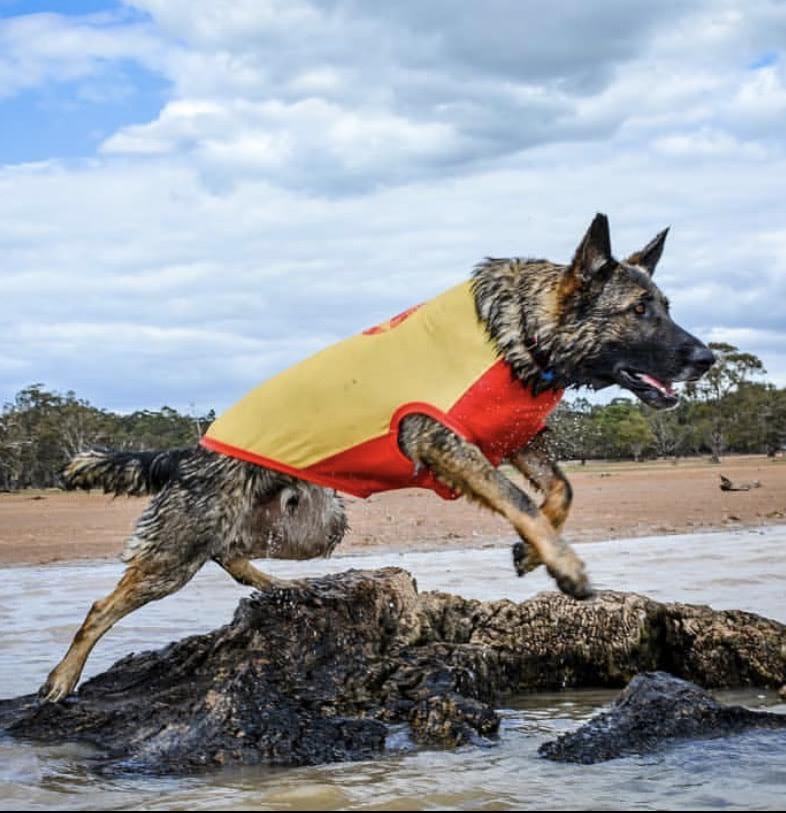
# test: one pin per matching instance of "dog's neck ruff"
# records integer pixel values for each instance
(333, 419)
(507, 294)
(547, 375)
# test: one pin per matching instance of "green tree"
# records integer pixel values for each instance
(41, 430)
(671, 429)
(718, 412)
(624, 430)
(761, 418)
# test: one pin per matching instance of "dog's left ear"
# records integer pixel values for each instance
(649, 256)
(594, 251)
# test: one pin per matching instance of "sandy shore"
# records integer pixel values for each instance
(611, 501)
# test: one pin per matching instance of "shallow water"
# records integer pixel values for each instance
(40, 608)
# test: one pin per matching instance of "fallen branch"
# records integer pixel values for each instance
(728, 485)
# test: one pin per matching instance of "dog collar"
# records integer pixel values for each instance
(547, 375)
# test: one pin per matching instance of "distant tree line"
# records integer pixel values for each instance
(40, 431)
(729, 410)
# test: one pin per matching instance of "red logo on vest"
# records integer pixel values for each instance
(390, 323)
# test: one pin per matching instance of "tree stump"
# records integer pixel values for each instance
(319, 672)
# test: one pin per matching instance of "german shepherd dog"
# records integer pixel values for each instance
(598, 322)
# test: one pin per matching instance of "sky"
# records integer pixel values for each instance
(195, 194)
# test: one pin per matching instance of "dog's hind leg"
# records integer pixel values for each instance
(243, 572)
(463, 467)
(144, 581)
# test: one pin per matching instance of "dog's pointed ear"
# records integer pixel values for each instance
(594, 250)
(648, 257)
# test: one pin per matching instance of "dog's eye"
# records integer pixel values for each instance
(640, 309)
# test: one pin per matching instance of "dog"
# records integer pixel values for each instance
(437, 397)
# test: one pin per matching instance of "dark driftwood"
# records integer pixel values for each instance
(655, 709)
(728, 485)
(316, 673)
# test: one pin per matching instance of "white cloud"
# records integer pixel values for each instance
(708, 142)
(209, 24)
(41, 48)
(310, 143)
(762, 96)
(347, 96)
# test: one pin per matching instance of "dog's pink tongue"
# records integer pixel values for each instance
(654, 382)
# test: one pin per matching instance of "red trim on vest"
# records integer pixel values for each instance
(501, 414)
(260, 460)
(497, 413)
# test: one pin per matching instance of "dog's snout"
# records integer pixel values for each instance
(701, 358)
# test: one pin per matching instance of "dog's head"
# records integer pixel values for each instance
(620, 324)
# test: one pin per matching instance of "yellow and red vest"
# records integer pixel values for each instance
(333, 419)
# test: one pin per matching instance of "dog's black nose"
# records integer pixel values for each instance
(701, 358)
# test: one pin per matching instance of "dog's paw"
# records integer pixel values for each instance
(575, 588)
(58, 686)
(525, 558)
(570, 574)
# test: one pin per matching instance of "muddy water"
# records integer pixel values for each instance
(40, 607)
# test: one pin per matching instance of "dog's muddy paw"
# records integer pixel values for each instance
(578, 589)
(286, 589)
(525, 558)
(55, 690)
(570, 574)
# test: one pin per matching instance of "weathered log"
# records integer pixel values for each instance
(317, 672)
(654, 710)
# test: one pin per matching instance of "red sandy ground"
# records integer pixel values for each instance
(611, 501)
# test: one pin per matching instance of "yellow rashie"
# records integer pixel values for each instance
(348, 393)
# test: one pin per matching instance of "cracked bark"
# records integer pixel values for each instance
(316, 673)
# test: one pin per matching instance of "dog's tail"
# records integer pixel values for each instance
(132, 473)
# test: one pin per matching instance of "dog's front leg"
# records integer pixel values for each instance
(463, 467)
(538, 464)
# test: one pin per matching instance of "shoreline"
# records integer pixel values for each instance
(612, 501)
(481, 545)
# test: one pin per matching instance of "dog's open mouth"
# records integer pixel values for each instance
(654, 392)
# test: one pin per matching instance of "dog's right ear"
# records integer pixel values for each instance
(594, 251)
(649, 256)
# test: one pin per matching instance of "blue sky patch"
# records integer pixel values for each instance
(71, 8)
(70, 119)
(764, 60)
